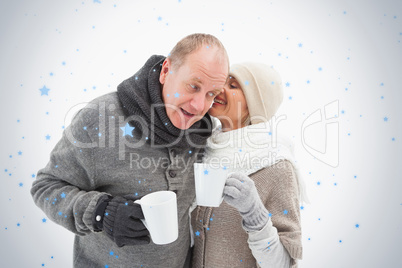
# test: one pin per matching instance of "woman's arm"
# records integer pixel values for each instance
(278, 188)
(267, 248)
(273, 225)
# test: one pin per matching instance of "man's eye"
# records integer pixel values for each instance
(211, 94)
(193, 87)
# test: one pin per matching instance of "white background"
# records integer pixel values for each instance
(345, 51)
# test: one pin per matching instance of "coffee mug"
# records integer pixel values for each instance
(209, 183)
(160, 213)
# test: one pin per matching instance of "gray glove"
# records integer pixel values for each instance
(241, 193)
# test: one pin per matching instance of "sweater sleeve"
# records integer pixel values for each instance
(65, 188)
(284, 205)
(267, 249)
(278, 189)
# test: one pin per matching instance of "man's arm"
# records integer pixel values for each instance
(65, 188)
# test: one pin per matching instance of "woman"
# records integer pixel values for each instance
(258, 225)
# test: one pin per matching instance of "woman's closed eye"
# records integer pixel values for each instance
(233, 86)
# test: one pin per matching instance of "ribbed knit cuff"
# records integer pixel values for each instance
(296, 252)
(99, 213)
(267, 232)
(90, 210)
(256, 218)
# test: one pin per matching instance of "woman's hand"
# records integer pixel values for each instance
(240, 192)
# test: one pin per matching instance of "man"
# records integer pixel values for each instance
(157, 118)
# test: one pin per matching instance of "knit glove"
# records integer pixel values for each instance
(241, 193)
(121, 220)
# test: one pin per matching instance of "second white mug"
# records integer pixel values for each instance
(209, 183)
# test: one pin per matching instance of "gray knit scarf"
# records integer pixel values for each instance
(141, 95)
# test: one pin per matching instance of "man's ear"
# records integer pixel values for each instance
(165, 71)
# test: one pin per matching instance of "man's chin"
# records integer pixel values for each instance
(183, 125)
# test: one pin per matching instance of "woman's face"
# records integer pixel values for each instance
(230, 106)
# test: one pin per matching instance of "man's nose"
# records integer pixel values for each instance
(198, 103)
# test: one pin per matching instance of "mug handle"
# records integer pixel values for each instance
(223, 195)
(138, 201)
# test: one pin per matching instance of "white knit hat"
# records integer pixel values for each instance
(262, 87)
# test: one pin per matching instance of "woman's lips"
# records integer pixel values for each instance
(219, 101)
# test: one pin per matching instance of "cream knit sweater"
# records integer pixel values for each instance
(220, 240)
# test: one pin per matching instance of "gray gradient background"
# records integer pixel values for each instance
(357, 45)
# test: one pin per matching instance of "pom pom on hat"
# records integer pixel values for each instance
(262, 88)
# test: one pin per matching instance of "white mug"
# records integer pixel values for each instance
(160, 213)
(209, 183)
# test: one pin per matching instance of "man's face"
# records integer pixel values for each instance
(189, 90)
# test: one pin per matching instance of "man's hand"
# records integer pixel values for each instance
(122, 221)
(241, 193)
